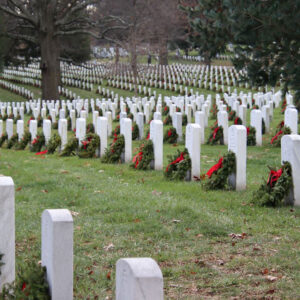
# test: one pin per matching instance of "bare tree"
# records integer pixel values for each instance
(44, 22)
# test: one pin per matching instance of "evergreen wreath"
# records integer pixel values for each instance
(24, 141)
(218, 174)
(166, 110)
(135, 132)
(238, 121)
(37, 143)
(99, 110)
(184, 120)
(39, 121)
(69, 123)
(276, 140)
(214, 111)
(89, 146)
(1, 262)
(70, 147)
(231, 115)
(55, 125)
(53, 143)
(171, 136)
(90, 128)
(31, 283)
(178, 166)
(144, 157)
(114, 152)
(12, 141)
(17, 118)
(216, 135)
(116, 131)
(263, 127)
(277, 187)
(251, 136)
(168, 120)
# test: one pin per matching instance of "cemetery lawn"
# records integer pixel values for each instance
(119, 212)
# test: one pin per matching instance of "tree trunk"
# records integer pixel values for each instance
(163, 53)
(117, 58)
(50, 66)
(133, 63)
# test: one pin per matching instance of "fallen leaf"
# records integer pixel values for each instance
(220, 262)
(156, 193)
(256, 248)
(91, 272)
(176, 221)
(109, 247)
(98, 192)
(108, 275)
(271, 278)
(100, 171)
(272, 291)
(44, 191)
(19, 189)
(188, 229)
(265, 271)
(87, 164)
(199, 235)
(137, 221)
(74, 213)
(64, 172)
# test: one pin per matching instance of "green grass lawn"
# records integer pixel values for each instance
(183, 227)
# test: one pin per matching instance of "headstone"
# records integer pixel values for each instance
(291, 119)
(47, 130)
(20, 129)
(266, 117)
(126, 130)
(108, 115)
(9, 128)
(140, 124)
(223, 121)
(63, 132)
(243, 114)
(73, 119)
(157, 116)
(156, 135)
(102, 124)
(57, 252)
(177, 124)
(95, 117)
(138, 279)
(1, 128)
(193, 144)
(237, 143)
(290, 150)
(33, 129)
(200, 120)
(80, 129)
(256, 122)
(7, 230)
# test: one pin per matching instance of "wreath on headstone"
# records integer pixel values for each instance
(214, 112)
(12, 141)
(171, 136)
(184, 120)
(231, 115)
(217, 175)
(283, 106)
(116, 131)
(3, 138)
(276, 189)
(71, 147)
(89, 146)
(114, 152)
(135, 132)
(168, 120)
(18, 117)
(90, 128)
(263, 127)
(53, 143)
(276, 139)
(21, 145)
(166, 110)
(216, 135)
(38, 143)
(251, 136)
(179, 166)
(142, 160)
(238, 121)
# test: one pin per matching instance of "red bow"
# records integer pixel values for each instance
(215, 168)
(273, 177)
(248, 130)
(169, 133)
(41, 153)
(215, 132)
(176, 161)
(34, 141)
(148, 136)
(236, 121)
(276, 136)
(137, 159)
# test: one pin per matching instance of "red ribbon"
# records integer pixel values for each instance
(276, 136)
(148, 136)
(34, 141)
(248, 130)
(236, 121)
(273, 177)
(169, 133)
(137, 159)
(41, 153)
(215, 132)
(176, 161)
(215, 168)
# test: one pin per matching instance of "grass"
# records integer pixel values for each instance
(120, 212)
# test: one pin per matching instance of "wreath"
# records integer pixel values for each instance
(142, 160)
(184, 120)
(89, 146)
(69, 120)
(114, 152)
(238, 121)
(3, 138)
(37, 143)
(214, 110)
(231, 115)
(12, 141)
(168, 120)
(17, 118)
(219, 173)
(251, 136)
(90, 128)
(116, 131)
(55, 125)
(166, 110)
(263, 127)
(53, 143)
(276, 140)
(24, 141)
(135, 132)
(216, 135)
(31, 119)
(99, 110)
(4, 117)
(171, 136)
(71, 147)
(274, 191)
(179, 166)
